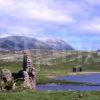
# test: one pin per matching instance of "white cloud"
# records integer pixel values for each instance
(93, 2)
(29, 12)
(32, 9)
(2, 35)
(91, 26)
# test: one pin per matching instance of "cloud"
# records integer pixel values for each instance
(93, 2)
(27, 16)
(91, 26)
(32, 9)
(3, 35)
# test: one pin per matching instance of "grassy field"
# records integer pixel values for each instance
(48, 66)
(49, 95)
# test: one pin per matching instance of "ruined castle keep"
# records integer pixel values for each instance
(29, 72)
(27, 61)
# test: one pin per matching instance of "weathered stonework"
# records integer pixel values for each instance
(29, 79)
(27, 76)
(29, 72)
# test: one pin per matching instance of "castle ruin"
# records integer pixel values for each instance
(29, 72)
(27, 75)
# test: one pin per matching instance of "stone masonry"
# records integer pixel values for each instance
(29, 72)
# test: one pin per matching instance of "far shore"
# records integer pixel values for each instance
(82, 73)
(74, 73)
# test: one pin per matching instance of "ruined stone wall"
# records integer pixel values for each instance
(27, 75)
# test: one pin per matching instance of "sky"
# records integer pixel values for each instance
(75, 21)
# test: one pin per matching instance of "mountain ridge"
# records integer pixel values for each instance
(22, 43)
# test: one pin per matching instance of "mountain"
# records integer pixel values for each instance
(58, 44)
(22, 43)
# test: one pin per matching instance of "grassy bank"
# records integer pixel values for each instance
(49, 95)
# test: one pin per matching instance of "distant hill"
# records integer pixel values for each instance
(22, 43)
(58, 44)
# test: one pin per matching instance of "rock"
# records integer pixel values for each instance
(6, 75)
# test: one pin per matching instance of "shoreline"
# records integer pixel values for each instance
(74, 73)
(82, 73)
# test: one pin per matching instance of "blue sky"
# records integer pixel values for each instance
(75, 21)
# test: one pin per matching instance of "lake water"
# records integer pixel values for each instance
(88, 78)
(68, 87)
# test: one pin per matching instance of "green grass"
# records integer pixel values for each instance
(49, 95)
(13, 66)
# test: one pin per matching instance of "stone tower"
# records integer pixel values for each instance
(29, 72)
(27, 61)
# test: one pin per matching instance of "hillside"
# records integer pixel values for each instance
(58, 44)
(22, 43)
